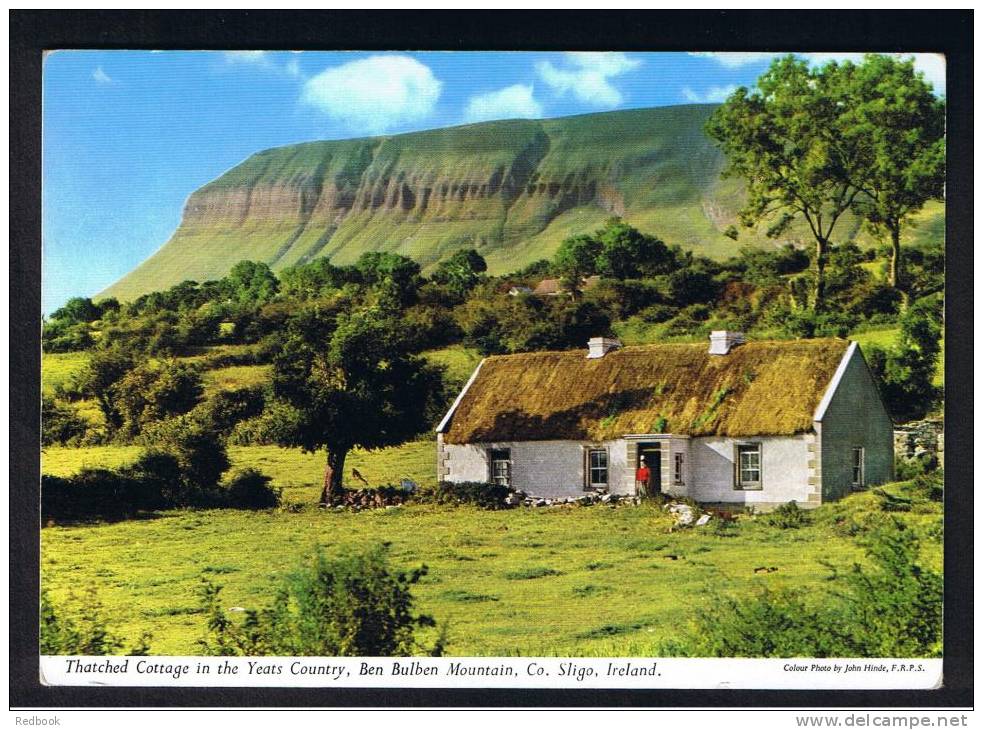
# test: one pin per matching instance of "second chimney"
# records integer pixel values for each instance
(601, 346)
(723, 341)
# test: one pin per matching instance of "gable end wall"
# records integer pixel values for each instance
(855, 416)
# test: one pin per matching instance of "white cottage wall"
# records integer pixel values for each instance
(784, 471)
(543, 468)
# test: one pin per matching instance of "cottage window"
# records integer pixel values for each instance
(500, 461)
(677, 468)
(858, 466)
(597, 460)
(748, 465)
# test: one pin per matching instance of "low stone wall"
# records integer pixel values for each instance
(916, 439)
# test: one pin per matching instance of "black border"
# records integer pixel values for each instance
(31, 32)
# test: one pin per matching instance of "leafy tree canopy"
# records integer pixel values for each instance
(786, 140)
(897, 125)
(251, 282)
(353, 381)
(461, 272)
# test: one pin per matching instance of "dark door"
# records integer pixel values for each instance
(652, 455)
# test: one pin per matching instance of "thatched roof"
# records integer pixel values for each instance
(760, 388)
(552, 287)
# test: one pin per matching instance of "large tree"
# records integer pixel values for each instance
(251, 282)
(627, 253)
(461, 272)
(351, 381)
(785, 139)
(576, 258)
(897, 125)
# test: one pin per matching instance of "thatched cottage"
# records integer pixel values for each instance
(738, 423)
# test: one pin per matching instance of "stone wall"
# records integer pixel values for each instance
(920, 438)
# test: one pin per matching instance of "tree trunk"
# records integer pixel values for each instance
(895, 277)
(819, 286)
(894, 272)
(334, 472)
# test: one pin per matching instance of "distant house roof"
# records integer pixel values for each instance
(552, 287)
(548, 287)
(759, 388)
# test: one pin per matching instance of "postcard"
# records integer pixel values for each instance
(487, 369)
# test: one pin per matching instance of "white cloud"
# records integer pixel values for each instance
(587, 75)
(263, 60)
(713, 95)
(735, 60)
(102, 77)
(374, 94)
(932, 65)
(512, 102)
(247, 58)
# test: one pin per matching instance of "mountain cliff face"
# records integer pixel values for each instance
(512, 189)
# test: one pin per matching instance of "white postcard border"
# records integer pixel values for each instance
(492, 672)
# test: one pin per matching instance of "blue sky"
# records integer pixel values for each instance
(128, 135)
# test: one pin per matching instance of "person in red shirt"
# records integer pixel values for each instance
(642, 476)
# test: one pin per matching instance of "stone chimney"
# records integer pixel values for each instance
(723, 341)
(601, 346)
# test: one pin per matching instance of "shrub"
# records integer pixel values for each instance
(63, 336)
(906, 372)
(931, 486)
(92, 492)
(724, 528)
(354, 605)
(150, 393)
(269, 427)
(60, 424)
(788, 516)
(157, 480)
(199, 451)
(893, 608)
(690, 320)
(250, 489)
(921, 465)
(658, 313)
(489, 496)
(85, 634)
(531, 573)
(805, 323)
(227, 408)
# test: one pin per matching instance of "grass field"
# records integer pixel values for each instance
(459, 360)
(236, 376)
(58, 368)
(299, 475)
(563, 581)
(885, 338)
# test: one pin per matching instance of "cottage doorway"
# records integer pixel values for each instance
(651, 454)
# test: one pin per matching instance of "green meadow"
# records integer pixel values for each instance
(579, 581)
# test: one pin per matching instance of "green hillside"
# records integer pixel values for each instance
(512, 189)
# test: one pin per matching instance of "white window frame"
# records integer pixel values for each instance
(678, 468)
(591, 468)
(739, 481)
(493, 478)
(859, 481)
